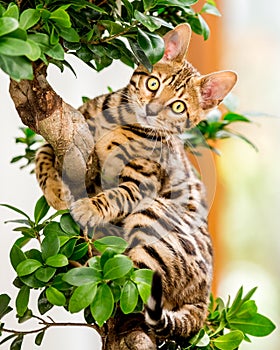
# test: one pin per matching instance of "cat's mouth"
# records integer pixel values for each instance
(144, 120)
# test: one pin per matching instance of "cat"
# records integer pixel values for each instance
(142, 186)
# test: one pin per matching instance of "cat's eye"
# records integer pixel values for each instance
(152, 84)
(178, 107)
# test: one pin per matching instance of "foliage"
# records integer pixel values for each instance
(215, 127)
(32, 142)
(97, 33)
(70, 269)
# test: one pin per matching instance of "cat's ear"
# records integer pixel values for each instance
(215, 86)
(176, 43)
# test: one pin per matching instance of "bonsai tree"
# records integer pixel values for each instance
(70, 268)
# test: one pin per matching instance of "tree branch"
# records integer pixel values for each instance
(64, 127)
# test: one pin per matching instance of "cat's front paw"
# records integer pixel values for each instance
(85, 213)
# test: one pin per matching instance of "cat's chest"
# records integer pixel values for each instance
(118, 148)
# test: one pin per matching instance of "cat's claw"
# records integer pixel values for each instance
(85, 213)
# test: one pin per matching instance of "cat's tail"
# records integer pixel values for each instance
(184, 322)
(55, 191)
(154, 307)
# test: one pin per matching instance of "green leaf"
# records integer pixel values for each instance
(14, 47)
(80, 251)
(229, 341)
(117, 267)
(22, 300)
(61, 18)
(27, 266)
(102, 305)
(140, 55)
(41, 39)
(234, 117)
(16, 67)
(68, 248)
(17, 343)
(129, 297)
(82, 275)
(45, 273)
(142, 276)
(58, 260)
(108, 254)
(35, 51)
(39, 338)
(117, 244)
(69, 226)
(31, 281)
(8, 25)
(183, 4)
(148, 4)
(41, 209)
(55, 297)
(29, 18)
(53, 228)
(60, 284)
(56, 52)
(16, 256)
(4, 305)
(258, 326)
(43, 304)
(12, 11)
(237, 302)
(70, 35)
(50, 245)
(16, 210)
(144, 291)
(116, 290)
(204, 27)
(152, 45)
(94, 262)
(210, 9)
(249, 294)
(112, 27)
(247, 310)
(7, 338)
(82, 297)
(27, 316)
(143, 279)
(148, 21)
(54, 37)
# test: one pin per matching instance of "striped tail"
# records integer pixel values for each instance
(179, 324)
(153, 310)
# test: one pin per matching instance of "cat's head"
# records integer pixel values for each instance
(174, 96)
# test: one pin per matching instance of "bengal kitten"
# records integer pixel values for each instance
(143, 186)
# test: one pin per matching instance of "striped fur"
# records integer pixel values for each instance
(143, 186)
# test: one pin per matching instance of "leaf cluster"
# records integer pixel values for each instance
(97, 33)
(215, 127)
(70, 269)
(32, 142)
(228, 325)
(73, 270)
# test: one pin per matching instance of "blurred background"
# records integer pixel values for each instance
(245, 214)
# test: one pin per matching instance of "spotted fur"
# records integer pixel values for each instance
(142, 185)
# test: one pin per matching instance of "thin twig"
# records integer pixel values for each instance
(48, 325)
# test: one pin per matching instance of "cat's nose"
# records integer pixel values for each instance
(153, 109)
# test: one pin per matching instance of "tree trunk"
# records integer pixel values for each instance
(128, 332)
(65, 128)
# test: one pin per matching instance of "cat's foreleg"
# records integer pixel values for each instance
(113, 204)
(55, 190)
